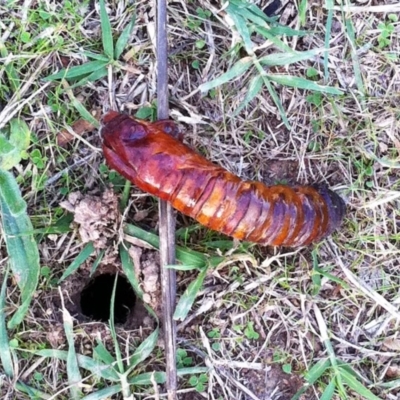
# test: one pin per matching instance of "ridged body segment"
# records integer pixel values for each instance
(154, 160)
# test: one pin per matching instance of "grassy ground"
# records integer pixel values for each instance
(267, 323)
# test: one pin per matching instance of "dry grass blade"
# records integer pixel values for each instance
(167, 221)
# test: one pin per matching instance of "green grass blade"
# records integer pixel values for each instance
(95, 367)
(187, 299)
(106, 33)
(5, 352)
(118, 354)
(97, 261)
(100, 352)
(144, 350)
(85, 114)
(302, 12)
(79, 260)
(286, 31)
(124, 37)
(237, 70)
(32, 392)
(105, 393)
(129, 270)
(77, 71)
(11, 72)
(96, 56)
(185, 256)
(254, 88)
(21, 246)
(241, 26)
(329, 19)
(302, 83)
(276, 100)
(354, 57)
(235, 8)
(316, 371)
(273, 39)
(357, 386)
(288, 58)
(146, 378)
(73, 373)
(94, 76)
(329, 391)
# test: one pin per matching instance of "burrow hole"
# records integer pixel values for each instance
(96, 298)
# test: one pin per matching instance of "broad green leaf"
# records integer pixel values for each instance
(288, 58)
(20, 135)
(302, 83)
(77, 71)
(10, 156)
(124, 37)
(5, 352)
(5, 146)
(186, 301)
(357, 386)
(237, 70)
(21, 246)
(85, 253)
(95, 367)
(11, 195)
(106, 33)
(144, 350)
(73, 373)
(329, 391)
(254, 88)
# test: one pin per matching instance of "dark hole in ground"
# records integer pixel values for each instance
(96, 298)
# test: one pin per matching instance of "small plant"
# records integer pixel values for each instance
(98, 67)
(249, 20)
(199, 382)
(250, 332)
(386, 29)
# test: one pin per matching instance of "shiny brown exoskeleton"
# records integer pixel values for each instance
(152, 157)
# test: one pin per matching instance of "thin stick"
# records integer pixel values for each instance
(167, 220)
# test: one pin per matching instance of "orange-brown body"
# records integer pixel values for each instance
(154, 160)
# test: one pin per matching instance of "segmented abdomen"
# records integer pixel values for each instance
(162, 165)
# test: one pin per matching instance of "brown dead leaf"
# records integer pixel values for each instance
(391, 344)
(79, 127)
(393, 371)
